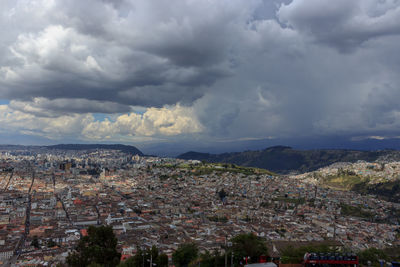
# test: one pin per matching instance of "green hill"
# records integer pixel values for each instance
(283, 159)
(123, 148)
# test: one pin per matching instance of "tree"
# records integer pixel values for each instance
(248, 245)
(35, 242)
(209, 260)
(373, 255)
(98, 247)
(222, 194)
(162, 260)
(295, 255)
(154, 253)
(136, 261)
(206, 260)
(185, 254)
(142, 258)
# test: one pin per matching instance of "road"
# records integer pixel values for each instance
(21, 242)
(53, 177)
(9, 180)
(65, 210)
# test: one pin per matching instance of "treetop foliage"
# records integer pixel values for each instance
(98, 247)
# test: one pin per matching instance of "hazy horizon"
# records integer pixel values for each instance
(170, 149)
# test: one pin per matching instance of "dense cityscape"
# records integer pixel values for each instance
(199, 133)
(49, 199)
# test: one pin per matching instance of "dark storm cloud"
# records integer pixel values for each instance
(343, 24)
(247, 69)
(287, 85)
(43, 107)
(125, 52)
(382, 103)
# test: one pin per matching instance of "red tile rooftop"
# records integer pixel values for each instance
(84, 232)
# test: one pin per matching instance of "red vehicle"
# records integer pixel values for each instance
(329, 260)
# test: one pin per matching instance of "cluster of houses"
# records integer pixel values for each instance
(47, 206)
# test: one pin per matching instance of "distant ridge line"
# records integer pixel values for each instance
(284, 159)
(124, 148)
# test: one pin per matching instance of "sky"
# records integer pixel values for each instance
(207, 75)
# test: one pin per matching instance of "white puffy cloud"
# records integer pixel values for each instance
(155, 122)
(14, 122)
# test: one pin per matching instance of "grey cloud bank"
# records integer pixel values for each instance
(203, 71)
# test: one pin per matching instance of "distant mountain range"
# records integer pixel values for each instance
(284, 159)
(123, 148)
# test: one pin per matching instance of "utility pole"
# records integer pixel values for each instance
(334, 229)
(151, 259)
(226, 253)
(232, 259)
(143, 256)
(315, 194)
